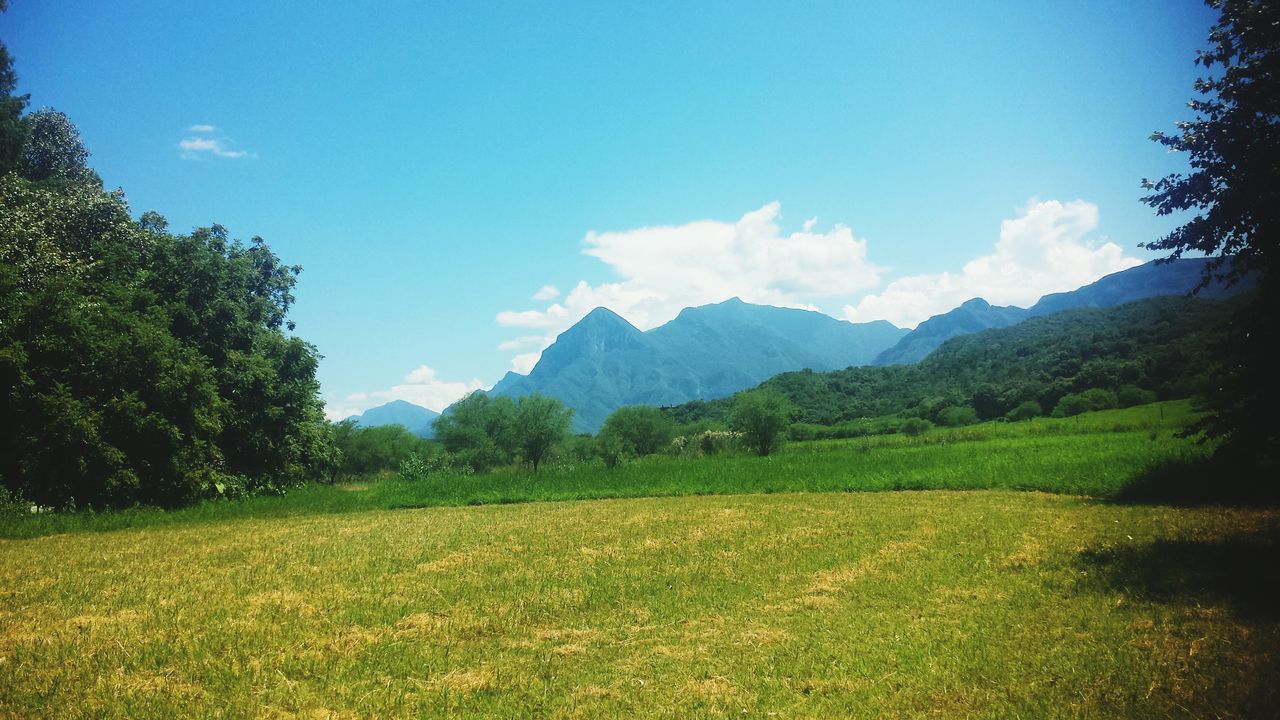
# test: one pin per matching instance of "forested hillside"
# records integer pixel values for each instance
(1156, 348)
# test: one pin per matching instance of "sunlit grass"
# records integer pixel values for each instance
(805, 605)
(1100, 454)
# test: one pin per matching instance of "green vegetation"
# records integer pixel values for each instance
(1159, 347)
(761, 417)
(371, 450)
(481, 432)
(1231, 198)
(847, 605)
(138, 366)
(1133, 453)
(635, 431)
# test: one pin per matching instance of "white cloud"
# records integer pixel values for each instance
(195, 148)
(201, 128)
(524, 362)
(421, 386)
(1044, 250)
(664, 269)
(548, 292)
(551, 317)
(520, 343)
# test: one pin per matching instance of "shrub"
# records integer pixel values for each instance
(958, 415)
(418, 467)
(1130, 395)
(1087, 401)
(639, 429)
(1026, 411)
(916, 426)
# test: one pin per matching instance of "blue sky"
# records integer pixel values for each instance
(433, 166)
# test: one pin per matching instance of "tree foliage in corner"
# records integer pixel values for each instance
(1233, 145)
(138, 366)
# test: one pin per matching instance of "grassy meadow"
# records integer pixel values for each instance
(1136, 453)
(1068, 586)
(938, 603)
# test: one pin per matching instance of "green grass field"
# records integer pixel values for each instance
(935, 603)
(341, 602)
(1135, 452)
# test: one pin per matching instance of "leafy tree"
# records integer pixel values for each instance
(762, 416)
(140, 366)
(986, 403)
(53, 149)
(479, 431)
(365, 450)
(540, 423)
(639, 430)
(13, 132)
(1233, 193)
(1088, 401)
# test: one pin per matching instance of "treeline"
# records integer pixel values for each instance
(138, 365)
(481, 434)
(1061, 364)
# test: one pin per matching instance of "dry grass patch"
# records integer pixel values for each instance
(803, 605)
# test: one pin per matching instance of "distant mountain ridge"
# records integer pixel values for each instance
(1152, 279)
(414, 418)
(972, 316)
(604, 362)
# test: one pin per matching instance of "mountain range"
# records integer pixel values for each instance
(604, 362)
(1150, 280)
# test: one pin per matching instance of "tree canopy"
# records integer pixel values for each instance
(1233, 195)
(1233, 144)
(137, 365)
(483, 432)
(762, 416)
(638, 430)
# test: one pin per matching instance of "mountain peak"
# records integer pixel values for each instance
(602, 314)
(414, 418)
(976, 304)
(603, 319)
(601, 330)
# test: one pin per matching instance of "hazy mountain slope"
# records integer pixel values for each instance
(1160, 344)
(973, 316)
(415, 418)
(600, 364)
(1150, 280)
(603, 362)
